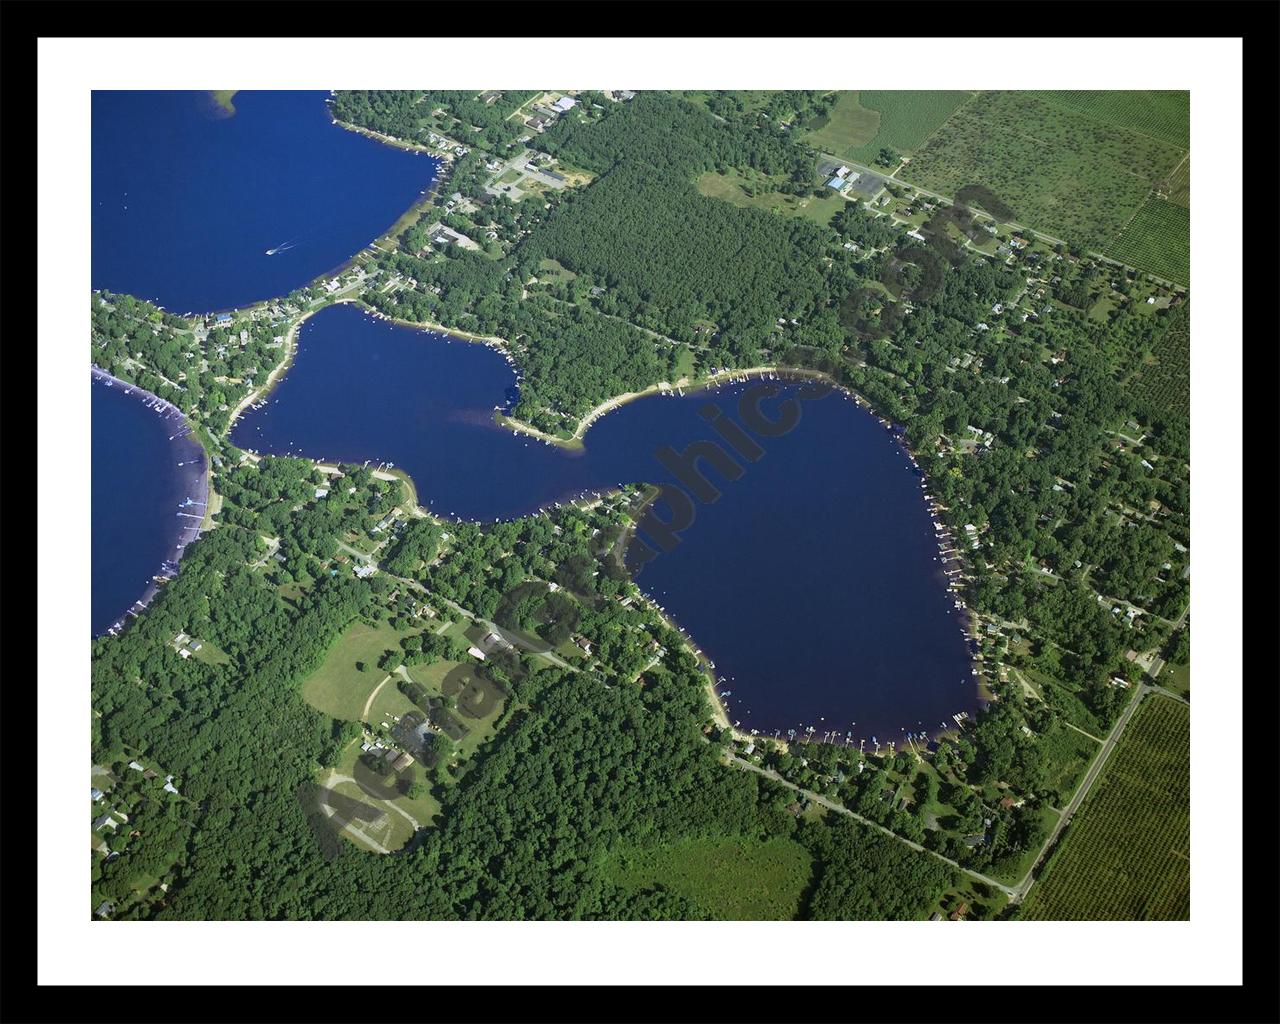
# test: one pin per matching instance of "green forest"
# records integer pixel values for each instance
(1042, 391)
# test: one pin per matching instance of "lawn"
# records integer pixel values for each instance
(1062, 172)
(1016, 871)
(686, 364)
(389, 703)
(1066, 700)
(392, 829)
(552, 272)
(1127, 853)
(731, 879)
(338, 688)
(1176, 678)
(750, 188)
(480, 729)
(211, 654)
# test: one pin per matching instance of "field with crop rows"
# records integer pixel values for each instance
(1164, 386)
(1158, 239)
(861, 123)
(1127, 854)
(1177, 187)
(846, 127)
(1163, 115)
(1063, 173)
(906, 118)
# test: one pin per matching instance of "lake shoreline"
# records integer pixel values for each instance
(738, 381)
(281, 368)
(198, 486)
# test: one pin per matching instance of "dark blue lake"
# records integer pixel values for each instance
(813, 582)
(187, 200)
(141, 519)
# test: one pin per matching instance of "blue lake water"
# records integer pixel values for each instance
(812, 582)
(187, 200)
(140, 519)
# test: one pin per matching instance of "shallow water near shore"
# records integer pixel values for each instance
(141, 519)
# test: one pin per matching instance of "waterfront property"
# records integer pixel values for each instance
(837, 621)
(149, 493)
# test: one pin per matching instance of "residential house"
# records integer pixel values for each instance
(402, 762)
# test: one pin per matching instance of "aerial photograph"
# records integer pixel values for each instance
(639, 505)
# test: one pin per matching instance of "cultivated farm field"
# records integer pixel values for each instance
(1177, 187)
(1063, 172)
(907, 118)
(1163, 115)
(849, 125)
(861, 123)
(1158, 239)
(1127, 854)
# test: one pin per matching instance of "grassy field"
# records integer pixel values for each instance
(752, 99)
(479, 729)
(1014, 872)
(906, 118)
(1068, 753)
(337, 688)
(735, 186)
(553, 272)
(1126, 855)
(1158, 239)
(395, 826)
(1176, 678)
(1063, 172)
(731, 879)
(211, 654)
(848, 126)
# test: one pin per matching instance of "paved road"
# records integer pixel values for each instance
(1016, 892)
(367, 559)
(1095, 769)
(1020, 228)
(841, 809)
